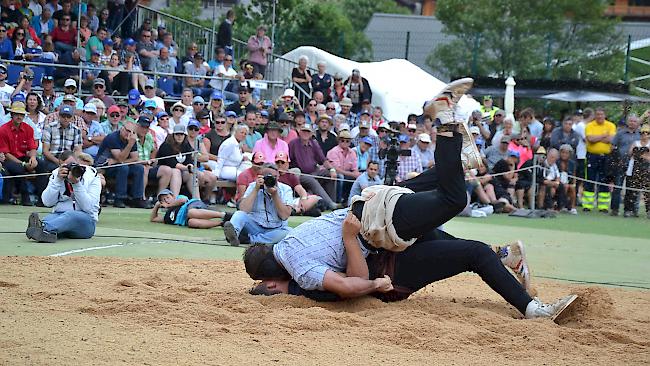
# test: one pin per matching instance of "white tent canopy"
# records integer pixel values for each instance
(398, 86)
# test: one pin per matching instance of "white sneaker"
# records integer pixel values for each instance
(513, 256)
(573, 211)
(537, 309)
(231, 203)
(470, 154)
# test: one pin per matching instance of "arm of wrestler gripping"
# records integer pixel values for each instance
(316, 295)
(357, 265)
(348, 287)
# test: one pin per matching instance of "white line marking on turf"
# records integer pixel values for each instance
(84, 250)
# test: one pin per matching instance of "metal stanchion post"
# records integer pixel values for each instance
(533, 187)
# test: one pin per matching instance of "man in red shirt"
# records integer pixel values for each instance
(305, 203)
(19, 147)
(249, 175)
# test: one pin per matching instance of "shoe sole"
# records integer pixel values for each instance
(565, 310)
(34, 221)
(231, 234)
(38, 235)
(469, 150)
(526, 282)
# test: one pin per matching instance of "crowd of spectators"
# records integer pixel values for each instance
(323, 135)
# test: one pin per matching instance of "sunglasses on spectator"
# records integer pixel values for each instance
(220, 122)
(177, 110)
(3, 30)
(312, 104)
(337, 79)
(66, 19)
(114, 115)
(3, 72)
(504, 142)
(410, 130)
(148, 87)
(331, 108)
(228, 59)
(645, 133)
(280, 162)
(344, 140)
(70, 87)
(193, 128)
(146, 35)
(20, 33)
(99, 86)
(197, 103)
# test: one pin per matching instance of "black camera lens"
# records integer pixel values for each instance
(269, 181)
(76, 170)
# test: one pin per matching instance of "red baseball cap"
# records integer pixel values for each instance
(282, 156)
(258, 158)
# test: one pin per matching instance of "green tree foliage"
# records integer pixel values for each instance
(518, 37)
(361, 11)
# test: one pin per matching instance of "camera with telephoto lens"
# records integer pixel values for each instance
(76, 170)
(392, 154)
(270, 181)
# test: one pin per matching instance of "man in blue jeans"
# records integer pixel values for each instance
(263, 211)
(73, 191)
(117, 148)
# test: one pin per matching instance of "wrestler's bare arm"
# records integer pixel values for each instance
(357, 265)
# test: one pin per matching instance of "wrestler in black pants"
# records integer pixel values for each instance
(437, 255)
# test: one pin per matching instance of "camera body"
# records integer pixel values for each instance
(270, 181)
(76, 170)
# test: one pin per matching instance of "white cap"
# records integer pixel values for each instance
(384, 125)
(424, 137)
(344, 126)
(475, 130)
(70, 82)
(90, 107)
(289, 93)
(412, 126)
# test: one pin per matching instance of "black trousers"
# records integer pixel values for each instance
(428, 261)
(439, 192)
(13, 168)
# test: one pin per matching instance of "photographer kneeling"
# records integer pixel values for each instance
(264, 210)
(73, 191)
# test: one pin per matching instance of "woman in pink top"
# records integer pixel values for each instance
(522, 144)
(271, 144)
(259, 46)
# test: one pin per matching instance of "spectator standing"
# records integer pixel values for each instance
(301, 77)
(622, 141)
(565, 134)
(322, 81)
(567, 167)
(547, 132)
(638, 173)
(358, 90)
(224, 35)
(599, 134)
(259, 47)
(527, 118)
(488, 109)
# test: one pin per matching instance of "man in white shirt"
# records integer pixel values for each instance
(581, 151)
(225, 70)
(150, 94)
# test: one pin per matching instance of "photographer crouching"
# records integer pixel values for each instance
(73, 191)
(264, 210)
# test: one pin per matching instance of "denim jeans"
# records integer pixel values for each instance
(122, 174)
(70, 224)
(257, 234)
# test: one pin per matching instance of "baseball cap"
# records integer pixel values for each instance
(129, 42)
(282, 156)
(230, 114)
(69, 98)
(273, 126)
(578, 112)
(70, 82)
(344, 126)
(289, 93)
(108, 42)
(475, 130)
(112, 109)
(95, 53)
(347, 102)
(365, 111)
(198, 99)
(198, 55)
(505, 138)
(203, 113)
(179, 128)
(18, 98)
(412, 126)
(364, 124)
(194, 123)
(284, 117)
(164, 192)
(258, 158)
(144, 121)
(161, 114)
(487, 97)
(500, 112)
(367, 140)
(307, 127)
(384, 125)
(99, 81)
(513, 153)
(134, 96)
(424, 137)
(66, 109)
(264, 114)
(403, 138)
(150, 104)
(90, 107)
(216, 95)
(3, 67)
(150, 83)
